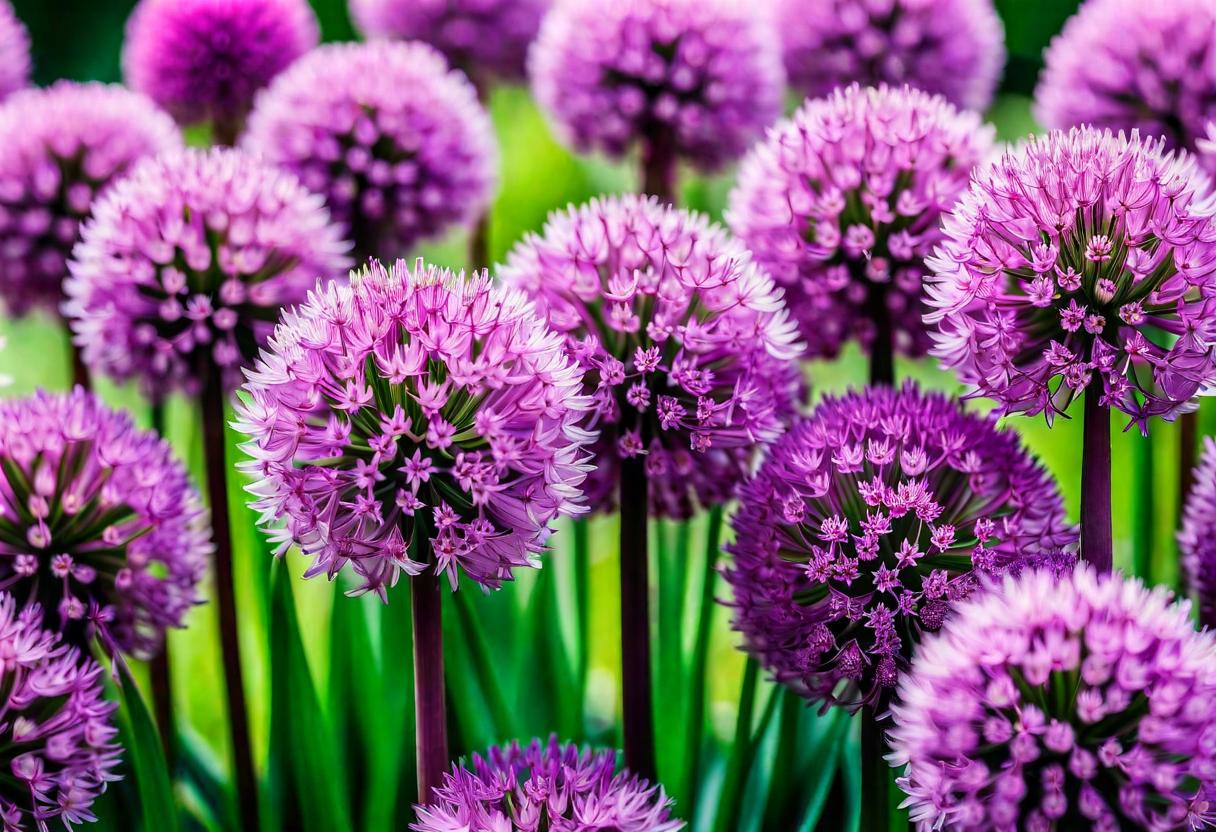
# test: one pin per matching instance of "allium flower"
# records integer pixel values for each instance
(478, 36)
(395, 140)
(700, 75)
(1197, 537)
(1080, 702)
(411, 405)
(1076, 254)
(98, 521)
(59, 147)
(955, 48)
(203, 60)
(864, 527)
(58, 737)
(14, 51)
(687, 348)
(1129, 64)
(842, 203)
(546, 786)
(187, 261)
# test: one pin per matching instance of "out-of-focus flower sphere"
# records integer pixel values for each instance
(98, 521)
(1080, 253)
(546, 786)
(955, 48)
(59, 148)
(842, 203)
(687, 348)
(15, 68)
(58, 737)
(1129, 64)
(1197, 537)
(1078, 702)
(203, 60)
(480, 37)
(701, 76)
(186, 262)
(867, 523)
(394, 139)
(415, 405)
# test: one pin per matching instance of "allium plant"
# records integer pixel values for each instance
(696, 80)
(203, 60)
(1127, 64)
(98, 522)
(865, 526)
(394, 139)
(59, 148)
(1081, 702)
(58, 736)
(1197, 537)
(955, 48)
(546, 786)
(842, 203)
(15, 68)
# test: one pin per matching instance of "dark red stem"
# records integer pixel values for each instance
(1097, 546)
(635, 621)
(659, 168)
(430, 711)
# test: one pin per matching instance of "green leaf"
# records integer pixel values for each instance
(146, 756)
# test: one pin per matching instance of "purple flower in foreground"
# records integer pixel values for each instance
(415, 405)
(58, 737)
(1077, 255)
(1129, 64)
(204, 59)
(546, 786)
(1197, 537)
(842, 203)
(186, 263)
(865, 526)
(59, 147)
(1078, 702)
(700, 76)
(955, 48)
(98, 521)
(14, 51)
(688, 351)
(481, 37)
(394, 139)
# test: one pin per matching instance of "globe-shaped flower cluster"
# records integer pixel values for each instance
(1127, 64)
(864, 527)
(62, 146)
(546, 786)
(955, 48)
(394, 139)
(700, 76)
(1197, 537)
(203, 60)
(415, 406)
(98, 521)
(1084, 702)
(1080, 255)
(686, 345)
(186, 263)
(58, 740)
(15, 65)
(842, 203)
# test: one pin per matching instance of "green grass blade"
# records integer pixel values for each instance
(482, 662)
(144, 752)
(697, 679)
(391, 788)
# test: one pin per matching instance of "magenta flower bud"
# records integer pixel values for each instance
(903, 501)
(1132, 751)
(15, 68)
(1197, 537)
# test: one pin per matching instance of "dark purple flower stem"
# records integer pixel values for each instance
(80, 372)
(1188, 442)
(479, 236)
(430, 711)
(215, 451)
(875, 777)
(635, 621)
(158, 669)
(1096, 543)
(226, 131)
(882, 348)
(659, 167)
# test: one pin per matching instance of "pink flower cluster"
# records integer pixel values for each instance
(1197, 537)
(15, 65)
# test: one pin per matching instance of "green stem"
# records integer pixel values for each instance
(700, 660)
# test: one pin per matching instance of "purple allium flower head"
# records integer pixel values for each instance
(867, 523)
(1076, 254)
(842, 203)
(395, 140)
(205, 59)
(58, 736)
(1129, 64)
(410, 404)
(98, 521)
(186, 262)
(688, 352)
(955, 48)
(481, 37)
(1077, 702)
(700, 74)
(1197, 537)
(546, 786)
(15, 66)
(59, 147)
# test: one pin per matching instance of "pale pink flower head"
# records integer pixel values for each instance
(15, 67)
